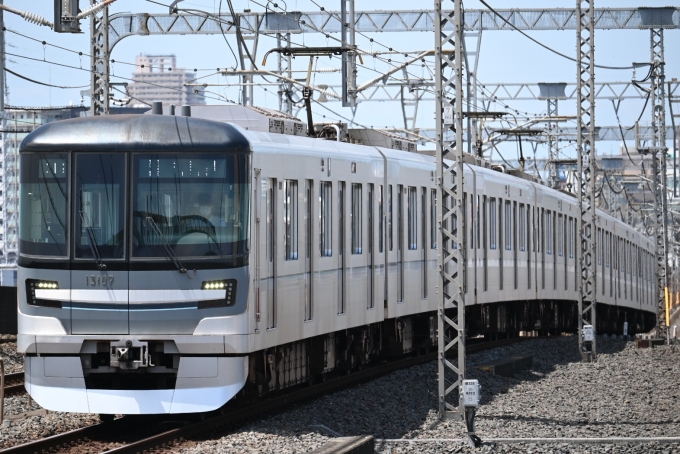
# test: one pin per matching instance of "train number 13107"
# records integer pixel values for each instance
(98, 280)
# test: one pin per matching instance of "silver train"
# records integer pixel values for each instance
(168, 264)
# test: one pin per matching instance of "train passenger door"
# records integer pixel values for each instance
(99, 279)
(400, 244)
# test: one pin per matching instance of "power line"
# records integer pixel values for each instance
(541, 44)
(42, 83)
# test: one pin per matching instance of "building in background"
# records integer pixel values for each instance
(18, 122)
(156, 78)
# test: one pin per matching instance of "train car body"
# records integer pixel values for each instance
(167, 263)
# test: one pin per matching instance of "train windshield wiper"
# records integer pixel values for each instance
(167, 247)
(93, 241)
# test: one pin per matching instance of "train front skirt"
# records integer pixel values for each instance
(203, 384)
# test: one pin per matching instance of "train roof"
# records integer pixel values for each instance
(136, 133)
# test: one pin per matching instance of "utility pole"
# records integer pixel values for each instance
(585, 110)
(450, 208)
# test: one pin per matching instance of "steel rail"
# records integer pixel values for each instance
(236, 415)
(239, 415)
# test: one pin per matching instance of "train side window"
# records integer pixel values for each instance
(389, 216)
(492, 223)
(508, 225)
(290, 219)
(380, 218)
(522, 228)
(433, 219)
(484, 216)
(356, 220)
(560, 235)
(570, 232)
(412, 218)
(326, 215)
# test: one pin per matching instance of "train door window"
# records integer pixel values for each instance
(356, 221)
(549, 236)
(400, 244)
(528, 228)
(341, 246)
(412, 218)
(369, 250)
(570, 233)
(522, 227)
(389, 216)
(308, 249)
(433, 219)
(478, 220)
(326, 219)
(290, 218)
(492, 223)
(560, 235)
(485, 240)
(99, 216)
(471, 217)
(271, 223)
(607, 249)
(423, 216)
(380, 219)
(508, 225)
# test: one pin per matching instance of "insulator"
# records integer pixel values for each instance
(94, 9)
(36, 19)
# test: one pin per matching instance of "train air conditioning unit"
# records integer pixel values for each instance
(382, 138)
(250, 118)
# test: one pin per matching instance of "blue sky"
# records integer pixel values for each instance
(505, 57)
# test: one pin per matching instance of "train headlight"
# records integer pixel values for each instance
(32, 285)
(228, 286)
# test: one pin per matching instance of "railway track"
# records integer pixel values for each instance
(14, 384)
(232, 416)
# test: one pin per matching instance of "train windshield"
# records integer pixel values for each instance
(190, 205)
(44, 204)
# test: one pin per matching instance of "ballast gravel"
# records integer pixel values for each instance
(627, 393)
(14, 362)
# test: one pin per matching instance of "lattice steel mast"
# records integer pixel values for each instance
(658, 151)
(450, 208)
(586, 171)
(100, 51)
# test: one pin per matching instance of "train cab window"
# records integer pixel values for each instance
(326, 219)
(356, 220)
(433, 219)
(99, 212)
(508, 225)
(290, 219)
(197, 204)
(44, 204)
(412, 218)
(492, 223)
(522, 227)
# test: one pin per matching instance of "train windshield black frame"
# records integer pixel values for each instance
(195, 203)
(44, 205)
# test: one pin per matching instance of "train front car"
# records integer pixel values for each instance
(133, 267)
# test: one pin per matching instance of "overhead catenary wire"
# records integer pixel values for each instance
(496, 13)
(42, 83)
